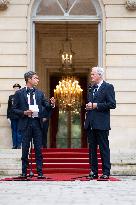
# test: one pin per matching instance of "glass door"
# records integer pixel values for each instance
(67, 128)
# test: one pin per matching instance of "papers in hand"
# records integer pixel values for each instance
(34, 109)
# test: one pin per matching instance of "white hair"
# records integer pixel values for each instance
(99, 70)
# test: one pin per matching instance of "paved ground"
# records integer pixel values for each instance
(69, 193)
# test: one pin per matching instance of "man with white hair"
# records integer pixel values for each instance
(101, 98)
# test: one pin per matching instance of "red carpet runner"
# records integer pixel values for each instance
(64, 165)
(65, 161)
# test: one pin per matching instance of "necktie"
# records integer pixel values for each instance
(31, 92)
(95, 89)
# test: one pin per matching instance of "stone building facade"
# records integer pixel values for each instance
(116, 20)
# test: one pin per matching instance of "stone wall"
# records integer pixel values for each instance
(13, 58)
(120, 61)
(121, 71)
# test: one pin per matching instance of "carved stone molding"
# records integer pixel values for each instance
(131, 4)
(4, 4)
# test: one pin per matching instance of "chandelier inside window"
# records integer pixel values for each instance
(68, 92)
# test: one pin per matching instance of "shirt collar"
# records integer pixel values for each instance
(100, 83)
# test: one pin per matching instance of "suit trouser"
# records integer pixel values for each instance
(45, 133)
(33, 131)
(16, 135)
(99, 137)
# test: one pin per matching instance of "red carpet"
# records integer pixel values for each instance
(69, 161)
(59, 177)
(63, 165)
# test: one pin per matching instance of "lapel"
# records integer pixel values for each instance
(100, 90)
(37, 96)
(90, 94)
(25, 94)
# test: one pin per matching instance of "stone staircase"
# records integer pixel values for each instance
(64, 160)
(10, 162)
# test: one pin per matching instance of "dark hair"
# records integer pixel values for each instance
(29, 75)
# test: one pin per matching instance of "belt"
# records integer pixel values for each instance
(33, 118)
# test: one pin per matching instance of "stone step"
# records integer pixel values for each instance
(10, 172)
(10, 153)
(10, 162)
(9, 166)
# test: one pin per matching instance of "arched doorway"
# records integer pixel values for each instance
(49, 29)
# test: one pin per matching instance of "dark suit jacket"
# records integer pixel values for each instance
(46, 113)
(10, 114)
(21, 104)
(99, 118)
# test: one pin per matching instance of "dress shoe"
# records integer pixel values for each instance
(93, 175)
(104, 176)
(14, 147)
(41, 176)
(23, 176)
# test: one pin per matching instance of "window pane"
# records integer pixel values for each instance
(49, 7)
(62, 143)
(83, 8)
(75, 143)
(65, 5)
(62, 134)
(76, 7)
(76, 131)
(62, 125)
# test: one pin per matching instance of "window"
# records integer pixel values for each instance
(66, 8)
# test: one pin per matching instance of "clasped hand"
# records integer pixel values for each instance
(28, 113)
(91, 106)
